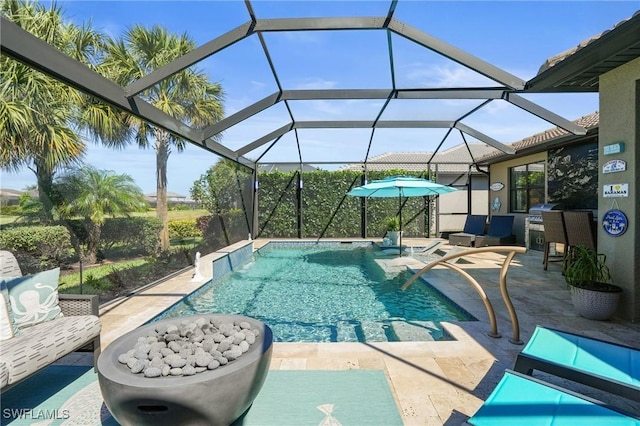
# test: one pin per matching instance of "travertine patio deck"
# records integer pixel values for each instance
(434, 383)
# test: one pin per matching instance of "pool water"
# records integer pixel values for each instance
(326, 293)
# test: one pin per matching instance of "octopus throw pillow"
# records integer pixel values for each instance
(34, 298)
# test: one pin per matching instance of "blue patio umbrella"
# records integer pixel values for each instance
(401, 187)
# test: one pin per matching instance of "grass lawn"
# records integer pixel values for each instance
(173, 215)
(93, 277)
(177, 214)
(7, 219)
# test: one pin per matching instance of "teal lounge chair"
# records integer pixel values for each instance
(520, 400)
(603, 365)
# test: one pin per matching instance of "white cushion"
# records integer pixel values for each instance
(42, 344)
(8, 327)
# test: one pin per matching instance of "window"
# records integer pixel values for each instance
(526, 187)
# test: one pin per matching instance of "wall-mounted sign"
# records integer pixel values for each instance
(497, 186)
(614, 223)
(615, 190)
(614, 148)
(614, 166)
(496, 204)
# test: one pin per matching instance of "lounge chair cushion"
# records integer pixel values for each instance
(473, 225)
(521, 400)
(615, 368)
(44, 343)
(500, 232)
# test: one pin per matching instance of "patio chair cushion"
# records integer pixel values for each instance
(8, 327)
(521, 400)
(603, 365)
(34, 298)
(9, 266)
(4, 374)
(473, 225)
(500, 232)
(41, 344)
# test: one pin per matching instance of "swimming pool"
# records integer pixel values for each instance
(326, 292)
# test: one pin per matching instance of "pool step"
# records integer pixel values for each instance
(416, 331)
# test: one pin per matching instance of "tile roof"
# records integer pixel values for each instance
(452, 160)
(589, 122)
(554, 60)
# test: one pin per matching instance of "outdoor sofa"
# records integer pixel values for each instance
(27, 349)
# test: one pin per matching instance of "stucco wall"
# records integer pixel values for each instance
(453, 207)
(620, 122)
(499, 172)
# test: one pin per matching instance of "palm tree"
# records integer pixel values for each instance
(188, 96)
(38, 114)
(94, 195)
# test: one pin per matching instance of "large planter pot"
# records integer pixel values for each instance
(595, 304)
(394, 236)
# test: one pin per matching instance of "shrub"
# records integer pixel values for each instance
(37, 247)
(10, 210)
(99, 284)
(184, 228)
(135, 235)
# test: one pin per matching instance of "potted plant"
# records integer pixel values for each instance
(589, 279)
(392, 225)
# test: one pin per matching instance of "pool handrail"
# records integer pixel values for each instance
(511, 252)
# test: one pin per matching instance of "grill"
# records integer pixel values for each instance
(533, 228)
(535, 212)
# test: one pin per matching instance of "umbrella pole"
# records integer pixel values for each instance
(400, 214)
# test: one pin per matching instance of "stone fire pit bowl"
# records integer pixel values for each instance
(212, 397)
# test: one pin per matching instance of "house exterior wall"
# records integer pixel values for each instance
(453, 208)
(499, 172)
(620, 122)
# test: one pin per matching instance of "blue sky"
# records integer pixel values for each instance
(516, 36)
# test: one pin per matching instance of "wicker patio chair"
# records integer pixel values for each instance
(580, 229)
(554, 232)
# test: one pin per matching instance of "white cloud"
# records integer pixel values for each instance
(445, 75)
(314, 83)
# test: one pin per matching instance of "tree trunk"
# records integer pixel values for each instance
(93, 241)
(44, 178)
(75, 241)
(162, 157)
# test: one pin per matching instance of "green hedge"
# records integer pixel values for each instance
(137, 235)
(37, 247)
(326, 210)
(221, 231)
(184, 228)
(131, 235)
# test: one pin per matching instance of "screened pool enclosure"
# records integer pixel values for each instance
(342, 141)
